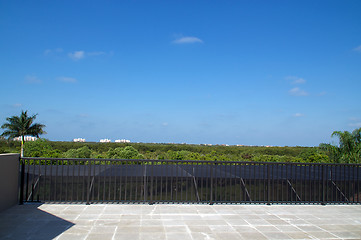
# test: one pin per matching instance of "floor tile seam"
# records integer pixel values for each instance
(267, 236)
(307, 232)
(284, 219)
(293, 225)
(333, 235)
(84, 209)
(289, 237)
(325, 230)
(115, 231)
(187, 230)
(251, 224)
(253, 227)
(99, 214)
(234, 230)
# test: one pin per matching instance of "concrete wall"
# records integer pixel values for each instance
(9, 180)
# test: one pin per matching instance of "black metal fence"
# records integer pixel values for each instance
(155, 181)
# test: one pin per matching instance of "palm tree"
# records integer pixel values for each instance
(349, 148)
(19, 126)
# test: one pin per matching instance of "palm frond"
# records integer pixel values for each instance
(22, 125)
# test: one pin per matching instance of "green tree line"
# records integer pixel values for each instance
(346, 150)
(51, 149)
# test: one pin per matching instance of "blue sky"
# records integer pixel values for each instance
(281, 73)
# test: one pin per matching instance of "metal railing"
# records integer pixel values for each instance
(171, 181)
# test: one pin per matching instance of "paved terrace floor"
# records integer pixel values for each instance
(183, 221)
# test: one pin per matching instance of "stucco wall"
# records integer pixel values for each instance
(9, 180)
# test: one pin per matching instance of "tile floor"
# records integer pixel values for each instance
(180, 221)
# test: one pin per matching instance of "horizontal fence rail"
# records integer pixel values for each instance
(172, 181)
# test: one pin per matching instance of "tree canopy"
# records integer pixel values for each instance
(20, 126)
(348, 149)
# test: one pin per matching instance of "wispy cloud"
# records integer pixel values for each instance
(358, 49)
(297, 92)
(51, 51)
(16, 105)
(297, 115)
(355, 122)
(96, 53)
(77, 55)
(32, 79)
(187, 40)
(67, 79)
(296, 80)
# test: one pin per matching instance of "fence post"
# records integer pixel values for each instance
(22, 177)
(211, 198)
(323, 185)
(151, 184)
(145, 187)
(88, 184)
(358, 184)
(268, 185)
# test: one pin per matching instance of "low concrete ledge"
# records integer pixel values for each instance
(9, 180)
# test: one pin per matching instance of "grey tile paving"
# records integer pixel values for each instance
(183, 221)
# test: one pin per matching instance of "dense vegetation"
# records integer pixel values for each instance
(348, 149)
(45, 148)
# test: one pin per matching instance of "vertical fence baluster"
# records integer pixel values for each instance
(93, 181)
(67, 180)
(44, 181)
(358, 183)
(88, 182)
(151, 182)
(211, 176)
(114, 180)
(323, 185)
(268, 185)
(22, 178)
(62, 180)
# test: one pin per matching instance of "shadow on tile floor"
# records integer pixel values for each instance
(30, 222)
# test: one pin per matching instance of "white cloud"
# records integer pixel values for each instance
(355, 124)
(32, 79)
(186, 40)
(296, 80)
(67, 79)
(77, 55)
(298, 115)
(297, 92)
(17, 105)
(358, 49)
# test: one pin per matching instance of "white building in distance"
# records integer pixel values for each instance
(79, 140)
(122, 141)
(26, 138)
(105, 140)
